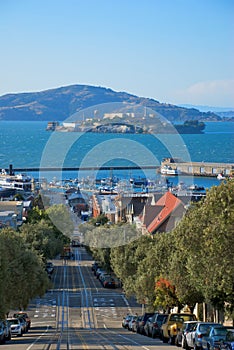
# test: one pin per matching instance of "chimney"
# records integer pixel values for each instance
(11, 169)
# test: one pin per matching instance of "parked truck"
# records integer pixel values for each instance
(173, 324)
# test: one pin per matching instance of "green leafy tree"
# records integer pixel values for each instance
(37, 214)
(61, 218)
(42, 238)
(22, 274)
(125, 260)
(100, 220)
(204, 243)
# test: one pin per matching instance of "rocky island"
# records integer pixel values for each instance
(128, 125)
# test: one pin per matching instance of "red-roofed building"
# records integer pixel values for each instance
(163, 215)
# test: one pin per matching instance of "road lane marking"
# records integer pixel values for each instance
(38, 338)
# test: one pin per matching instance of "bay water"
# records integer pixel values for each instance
(29, 145)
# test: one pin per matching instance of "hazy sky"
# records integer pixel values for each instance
(175, 51)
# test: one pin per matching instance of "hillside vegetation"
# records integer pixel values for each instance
(61, 103)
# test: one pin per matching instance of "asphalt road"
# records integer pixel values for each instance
(77, 313)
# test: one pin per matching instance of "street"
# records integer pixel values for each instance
(78, 313)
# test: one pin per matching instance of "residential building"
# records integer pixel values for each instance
(162, 215)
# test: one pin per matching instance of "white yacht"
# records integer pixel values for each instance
(168, 170)
(19, 182)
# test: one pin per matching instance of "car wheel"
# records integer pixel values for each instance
(196, 347)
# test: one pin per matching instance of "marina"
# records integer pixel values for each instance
(109, 180)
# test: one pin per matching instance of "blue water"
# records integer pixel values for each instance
(27, 144)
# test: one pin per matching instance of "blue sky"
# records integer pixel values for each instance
(175, 51)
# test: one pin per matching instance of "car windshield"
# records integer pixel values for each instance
(220, 331)
(189, 326)
(188, 317)
(174, 318)
(21, 314)
(13, 321)
(203, 327)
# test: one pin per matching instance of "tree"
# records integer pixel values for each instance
(100, 220)
(165, 295)
(22, 274)
(43, 239)
(204, 245)
(61, 218)
(125, 261)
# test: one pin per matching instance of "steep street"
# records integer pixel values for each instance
(78, 313)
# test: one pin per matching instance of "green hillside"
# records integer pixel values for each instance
(61, 103)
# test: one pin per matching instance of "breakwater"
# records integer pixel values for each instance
(43, 169)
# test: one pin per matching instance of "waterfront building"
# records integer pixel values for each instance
(197, 168)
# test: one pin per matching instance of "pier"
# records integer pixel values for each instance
(184, 168)
(199, 168)
(44, 169)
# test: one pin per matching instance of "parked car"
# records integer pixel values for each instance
(161, 329)
(173, 323)
(118, 283)
(153, 324)
(23, 323)
(148, 325)
(2, 333)
(136, 323)
(7, 329)
(102, 276)
(99, 271)
(142, 322)
(95, 266)
(126, 320)
(131, 322)
(194, 338)
(181, 338)
(109, 282)
(25, 316)
(214, 337)
(228, 342)
(16, 326)
(49, 267)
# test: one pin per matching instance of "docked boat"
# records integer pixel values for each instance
(195, 187)
(19, 182)
(220, 176)
(138, 182)
(168, 170)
